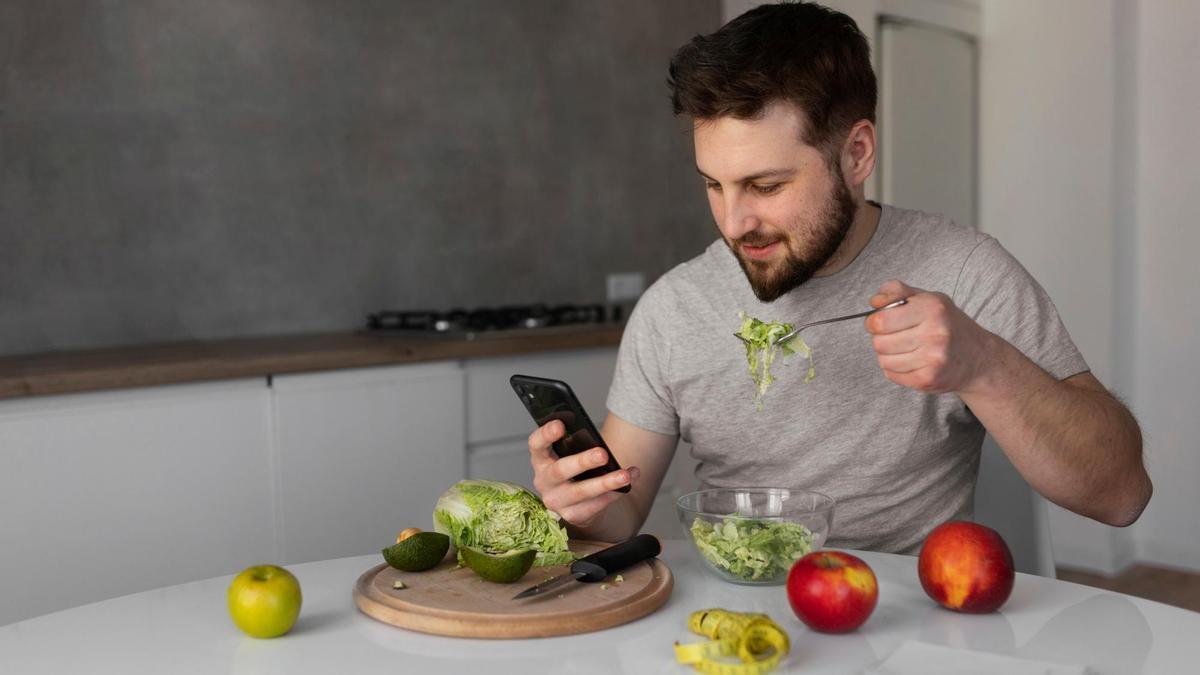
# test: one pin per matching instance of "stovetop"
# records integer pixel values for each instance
(490, 321)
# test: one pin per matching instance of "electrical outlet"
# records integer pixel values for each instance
(625, 286)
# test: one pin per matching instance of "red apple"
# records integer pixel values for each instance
(831, 591)
(966, 567)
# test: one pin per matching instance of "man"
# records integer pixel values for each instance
(782, 101)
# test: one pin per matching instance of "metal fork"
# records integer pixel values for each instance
(795, 331)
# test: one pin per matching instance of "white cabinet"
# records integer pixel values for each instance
(363, 454)
(498, 425)
(503, 460)
(114, 492)
(108, 493)
(493, 411)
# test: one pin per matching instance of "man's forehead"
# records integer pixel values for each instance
(731, 145)
(777, 115)
(770, 173)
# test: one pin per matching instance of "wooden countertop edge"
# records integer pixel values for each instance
(176, 363)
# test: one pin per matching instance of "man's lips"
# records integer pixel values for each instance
(759, 252)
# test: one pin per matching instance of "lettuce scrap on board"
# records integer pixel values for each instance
(499, 517)
(761, 351)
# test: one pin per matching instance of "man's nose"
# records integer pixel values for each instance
(739, 217)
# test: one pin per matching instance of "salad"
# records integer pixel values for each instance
(761, 350)
(751, 549)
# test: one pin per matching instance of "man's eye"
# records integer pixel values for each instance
(712, 186)
(767, 189)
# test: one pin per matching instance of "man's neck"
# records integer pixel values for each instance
(866, 219)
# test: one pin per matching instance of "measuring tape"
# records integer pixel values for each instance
(754, 638)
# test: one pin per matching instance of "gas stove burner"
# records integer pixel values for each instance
(500, 320)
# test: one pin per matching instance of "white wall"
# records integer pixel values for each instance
(962, 15)
(1089, 112)
(1166, 242)
(1047, 89)
(1087, 152)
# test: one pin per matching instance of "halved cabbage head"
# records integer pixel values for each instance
(498, 517)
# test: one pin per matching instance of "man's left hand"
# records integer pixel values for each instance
(928, 344)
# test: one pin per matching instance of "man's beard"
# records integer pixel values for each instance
(770, 279)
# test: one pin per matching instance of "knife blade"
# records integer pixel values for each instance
(600, 564)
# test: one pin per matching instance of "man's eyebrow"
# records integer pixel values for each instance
(768, 173)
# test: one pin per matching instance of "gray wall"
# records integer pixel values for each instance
(179, 169)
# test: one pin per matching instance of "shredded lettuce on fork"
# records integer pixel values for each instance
(761, 350)
(499, 517)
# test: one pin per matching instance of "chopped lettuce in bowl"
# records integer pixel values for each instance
(750, 549)
(753, 535)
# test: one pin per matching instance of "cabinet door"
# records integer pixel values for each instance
(503, 460)
(493, 411)
(497, 424)
(104, 494)
(364, 454)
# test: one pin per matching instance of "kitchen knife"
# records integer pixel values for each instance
(600, 564)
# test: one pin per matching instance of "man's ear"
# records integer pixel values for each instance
(858, 154)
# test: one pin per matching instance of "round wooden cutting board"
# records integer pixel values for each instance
(447, 600)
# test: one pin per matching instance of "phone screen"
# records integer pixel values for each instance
(548, 400)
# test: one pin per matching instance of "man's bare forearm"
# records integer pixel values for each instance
(1072, 441)
(618, 522)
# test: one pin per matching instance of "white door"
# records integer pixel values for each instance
(927, 118)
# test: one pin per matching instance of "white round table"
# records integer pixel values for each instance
(186, 629)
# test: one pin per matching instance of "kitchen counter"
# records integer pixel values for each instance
(186, 629)
(140, 366)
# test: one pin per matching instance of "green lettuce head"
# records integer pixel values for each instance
(498, 517)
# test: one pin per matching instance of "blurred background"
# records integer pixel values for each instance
(188, 190)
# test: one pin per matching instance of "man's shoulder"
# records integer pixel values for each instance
(930, 242)
(688, 292)
(933, 229)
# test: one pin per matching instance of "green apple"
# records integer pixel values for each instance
(264, 601)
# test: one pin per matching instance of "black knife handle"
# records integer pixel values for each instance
(600, 564)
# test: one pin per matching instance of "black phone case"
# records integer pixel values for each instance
(547, 400)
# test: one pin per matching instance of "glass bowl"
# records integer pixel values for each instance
(752, 536)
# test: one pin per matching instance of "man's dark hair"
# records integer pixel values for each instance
(802, 53)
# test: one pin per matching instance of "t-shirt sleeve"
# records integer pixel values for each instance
(997, 291)
(640, 392)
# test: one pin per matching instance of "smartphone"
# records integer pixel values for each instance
(548, 400)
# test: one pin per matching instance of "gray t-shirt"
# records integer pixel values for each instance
(899, 462)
